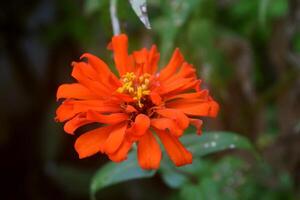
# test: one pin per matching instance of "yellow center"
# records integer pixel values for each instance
(135, 86)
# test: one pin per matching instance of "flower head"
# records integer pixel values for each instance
(139, 105)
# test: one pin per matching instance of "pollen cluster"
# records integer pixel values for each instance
(135, 86)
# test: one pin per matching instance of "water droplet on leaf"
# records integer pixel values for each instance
(213, 144)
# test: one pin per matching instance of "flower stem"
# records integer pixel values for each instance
(114, 17)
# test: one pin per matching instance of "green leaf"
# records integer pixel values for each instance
(113, 173)
(296, 48)
(175, 15)
(190, 192)
(171, 177)
(262, 12)
(212, 142)
(271, 9)
(175, 177)
(278, 8)
(91, 6)
(180, 10)
(140, 9)
(200, 146)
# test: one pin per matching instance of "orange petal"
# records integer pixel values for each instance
(208, 108)
(146, 61)
(69, 108)
(149, 153)
(155, 98)
(92, 142)
(121, 153)
(99, 65)
(175, 62)
(177, 115)
(198, 124)
(188, 71)
(85, 75)
(176, 151)
(123, 97)
(167, 124)
(180, 85)
(74, 91)
(130, 109)
(76, 122)
(140, 56)
(95, 105)
(86, 70)
(92, 116)
(115, 138)
(130, 63)
(153, 60)
(185, 71)
(140, 126)
(203, 94)
(114, 118)
(65, 111)
(119, 45)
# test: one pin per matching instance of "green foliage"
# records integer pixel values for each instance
(232, 178)
(296, 42)
(113, 173)
(174, 16)
(140, 9)
(200, 146)
(91, 6)
(177, 177)
(269, 9)
(217, 38)
(214, 141)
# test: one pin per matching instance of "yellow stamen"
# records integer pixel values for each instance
(136, 87)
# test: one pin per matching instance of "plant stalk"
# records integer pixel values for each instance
(114, 17)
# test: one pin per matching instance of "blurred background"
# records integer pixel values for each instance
(246, 51)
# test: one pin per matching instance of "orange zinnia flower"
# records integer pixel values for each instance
(135, 106)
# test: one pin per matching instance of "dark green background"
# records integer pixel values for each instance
(246, 51)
